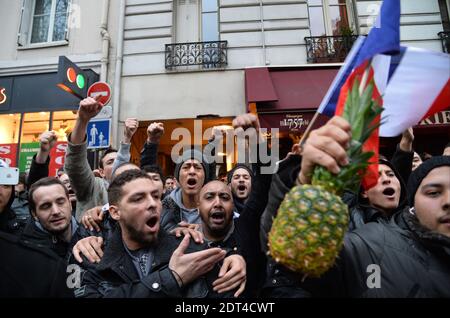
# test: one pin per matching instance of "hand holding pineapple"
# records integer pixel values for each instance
(308, 231)
(326, 147)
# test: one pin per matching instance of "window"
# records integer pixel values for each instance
(210, 24)
(328, 17)
(63, 123)
(43, 21)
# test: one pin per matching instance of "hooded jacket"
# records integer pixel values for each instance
(173, 211)
(35, 233)
(410, 261)
(30, 271)
(361, 212)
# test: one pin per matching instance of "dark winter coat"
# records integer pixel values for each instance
(116, 277)
(29, 271)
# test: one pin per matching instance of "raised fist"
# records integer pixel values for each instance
(47, 140)
(155, 132)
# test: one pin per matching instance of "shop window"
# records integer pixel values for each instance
(34, 124)
(43, 21)
(63, 123)
(9, 137)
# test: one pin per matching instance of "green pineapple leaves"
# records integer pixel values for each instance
(361, 112)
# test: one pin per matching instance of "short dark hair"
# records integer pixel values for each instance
(115, 193)
(107, 152)
(447, 145)
(154, 169)
(45, 182)
(123, 164)
(23, 178)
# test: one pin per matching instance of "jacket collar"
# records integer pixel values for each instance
(117, 259)
(433, 240)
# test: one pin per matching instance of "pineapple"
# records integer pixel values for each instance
(308, 232)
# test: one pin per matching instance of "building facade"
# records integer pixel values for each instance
(211, 60)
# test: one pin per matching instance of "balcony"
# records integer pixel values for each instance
(328, 49)
(445, 39)
(207, 55)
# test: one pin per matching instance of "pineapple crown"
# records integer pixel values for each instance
(361, 111)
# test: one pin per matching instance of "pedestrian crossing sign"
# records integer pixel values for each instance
(99, 134)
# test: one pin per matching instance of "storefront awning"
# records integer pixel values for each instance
(274, 89)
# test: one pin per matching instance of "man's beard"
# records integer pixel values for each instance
(220, 232)
(140, 238)
(62, 231)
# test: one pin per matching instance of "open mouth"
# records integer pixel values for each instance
(152, 222)
(218, 217)
(389, 192)
(242, 188)
(191, 182)
(445, 220)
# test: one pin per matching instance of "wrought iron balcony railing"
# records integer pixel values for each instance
(445, 39)
(211, 54)
(326, 49)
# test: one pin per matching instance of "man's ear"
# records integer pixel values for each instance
(364, 194)
(114, 212)
(34, 215)
(102, 172)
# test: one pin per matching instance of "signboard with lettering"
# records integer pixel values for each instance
(440, 118)
(290, 122)
(57, 155)
(8, 152)
(6, 85)
(27, 151)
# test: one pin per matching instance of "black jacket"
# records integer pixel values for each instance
(402, 161)
(116, 277)
(29, 271)
(37, 171)
(361, 212)
(149, 154)
(45, 240)
(8, 219)
(412, 262)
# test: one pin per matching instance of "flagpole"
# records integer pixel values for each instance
(308, 130)
(365, 76)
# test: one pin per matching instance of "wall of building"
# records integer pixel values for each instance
(183, 95)
(84, 45)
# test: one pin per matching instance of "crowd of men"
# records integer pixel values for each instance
(129, 231)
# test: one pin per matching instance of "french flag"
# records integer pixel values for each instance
(411, 84)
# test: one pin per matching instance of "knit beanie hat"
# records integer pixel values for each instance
(238, 166)
(191, 154)
(416, 177)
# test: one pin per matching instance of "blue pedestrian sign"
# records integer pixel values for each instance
(99, 133)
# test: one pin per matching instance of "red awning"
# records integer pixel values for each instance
(258, 86)
(288, 88)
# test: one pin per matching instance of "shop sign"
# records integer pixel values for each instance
(8, 152)
(27, 151)
(3, 97)
(57, 155)
(440, 118)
